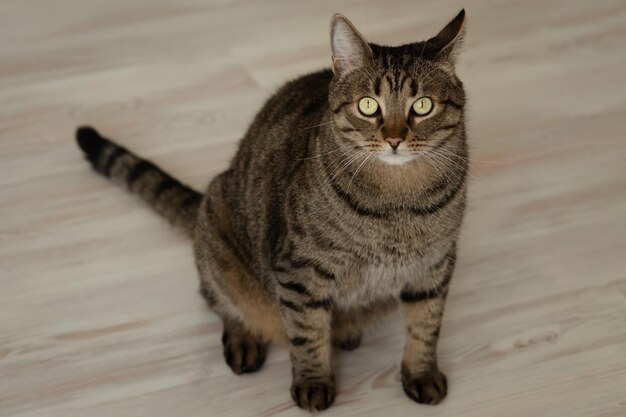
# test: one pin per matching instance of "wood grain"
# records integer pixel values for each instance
(100, 314)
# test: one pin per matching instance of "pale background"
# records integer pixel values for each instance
(99, 314)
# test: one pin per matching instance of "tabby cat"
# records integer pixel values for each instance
(345, 199)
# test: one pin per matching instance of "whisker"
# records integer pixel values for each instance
(332, 165)
(320, 155)
(357, 171)
(347, 164)
(314, 126)
(461, 157)
(447, 160)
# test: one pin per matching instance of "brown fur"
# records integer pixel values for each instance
(319, 226)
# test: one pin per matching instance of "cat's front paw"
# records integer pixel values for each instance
(313, 395)
(426, 388)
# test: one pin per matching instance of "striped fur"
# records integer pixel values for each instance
(169, 197)
(312, 232)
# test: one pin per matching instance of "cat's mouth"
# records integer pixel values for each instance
(395, 156)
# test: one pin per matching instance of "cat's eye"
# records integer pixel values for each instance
(423, 106)
(368, 106)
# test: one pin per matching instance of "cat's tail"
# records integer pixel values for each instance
(172, 199)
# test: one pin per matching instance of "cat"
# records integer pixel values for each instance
(344, 200)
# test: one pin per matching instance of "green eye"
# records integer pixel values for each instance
(423, 106)
(368, 106)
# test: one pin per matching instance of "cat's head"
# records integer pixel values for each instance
(396, 102)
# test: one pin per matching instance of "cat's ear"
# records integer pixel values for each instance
(350, 50)
(446, 45)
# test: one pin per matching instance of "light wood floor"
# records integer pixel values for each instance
(99, 314)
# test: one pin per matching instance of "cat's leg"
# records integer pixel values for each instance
(243, 351)
(347, 329)
(348, 325)
(245, 336)
(423, 310)
(249, 314)
(306, 311)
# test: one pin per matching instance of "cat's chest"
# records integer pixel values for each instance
(368, 283)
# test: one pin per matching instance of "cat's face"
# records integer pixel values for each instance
(395, 102)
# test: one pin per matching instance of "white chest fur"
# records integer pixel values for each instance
(371, 283)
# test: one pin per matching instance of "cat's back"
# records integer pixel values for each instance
(274, 147)
(292, 111)
(280, 134)
(279, 138)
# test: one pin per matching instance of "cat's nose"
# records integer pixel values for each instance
(394, 142)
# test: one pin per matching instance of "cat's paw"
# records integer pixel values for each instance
(313, 395)
(427, 388)
(348, 342)
(243, 352)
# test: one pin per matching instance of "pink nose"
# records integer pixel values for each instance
(394, 142)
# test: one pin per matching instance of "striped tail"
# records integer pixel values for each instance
(175, 201)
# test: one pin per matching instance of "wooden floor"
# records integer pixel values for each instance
(99, 311)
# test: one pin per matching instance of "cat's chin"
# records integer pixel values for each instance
(396, 159)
